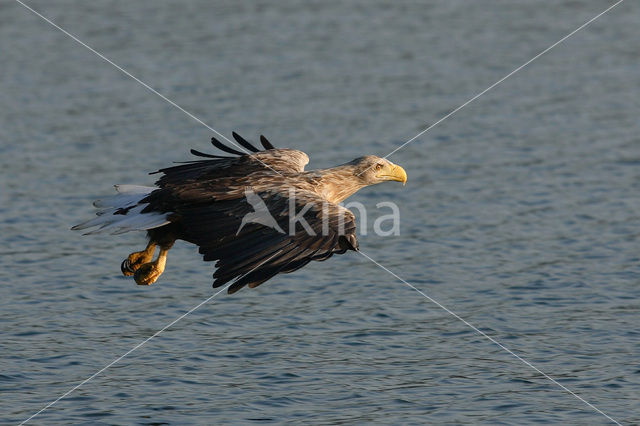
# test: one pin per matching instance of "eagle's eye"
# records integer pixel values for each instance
(378, 166)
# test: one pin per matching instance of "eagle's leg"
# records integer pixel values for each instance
(149, 272)
(137, 259)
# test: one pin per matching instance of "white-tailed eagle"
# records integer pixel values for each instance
(257, 213)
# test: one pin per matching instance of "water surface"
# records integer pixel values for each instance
(521, 213)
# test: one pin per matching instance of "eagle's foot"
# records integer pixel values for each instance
(148, 273)
(135, 260)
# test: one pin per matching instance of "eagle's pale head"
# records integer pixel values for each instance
(341, 182)
(371, 170)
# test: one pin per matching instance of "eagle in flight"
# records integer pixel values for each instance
(257, 213)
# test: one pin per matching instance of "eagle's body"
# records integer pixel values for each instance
(256, 214)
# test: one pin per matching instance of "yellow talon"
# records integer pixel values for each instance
(135, 260)
(148, 273)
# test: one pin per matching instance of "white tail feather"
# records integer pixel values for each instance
(134, 189)
(128, 195)
(122, 212)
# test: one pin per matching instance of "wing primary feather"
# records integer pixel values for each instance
(230, 271)
(260, 275)
(265, 142)
(202, 154)
(242, 141)
(215, 142)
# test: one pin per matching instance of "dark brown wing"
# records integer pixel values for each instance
(256, 249)
(271, 160)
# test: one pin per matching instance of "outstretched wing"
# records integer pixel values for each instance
(245, 159)
(260, 250)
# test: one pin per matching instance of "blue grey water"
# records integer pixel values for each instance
(521, 214)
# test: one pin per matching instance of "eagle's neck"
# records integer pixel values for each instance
(337, 183)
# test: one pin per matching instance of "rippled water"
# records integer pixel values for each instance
(521, 213)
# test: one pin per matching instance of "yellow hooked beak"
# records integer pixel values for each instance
(396, 173)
